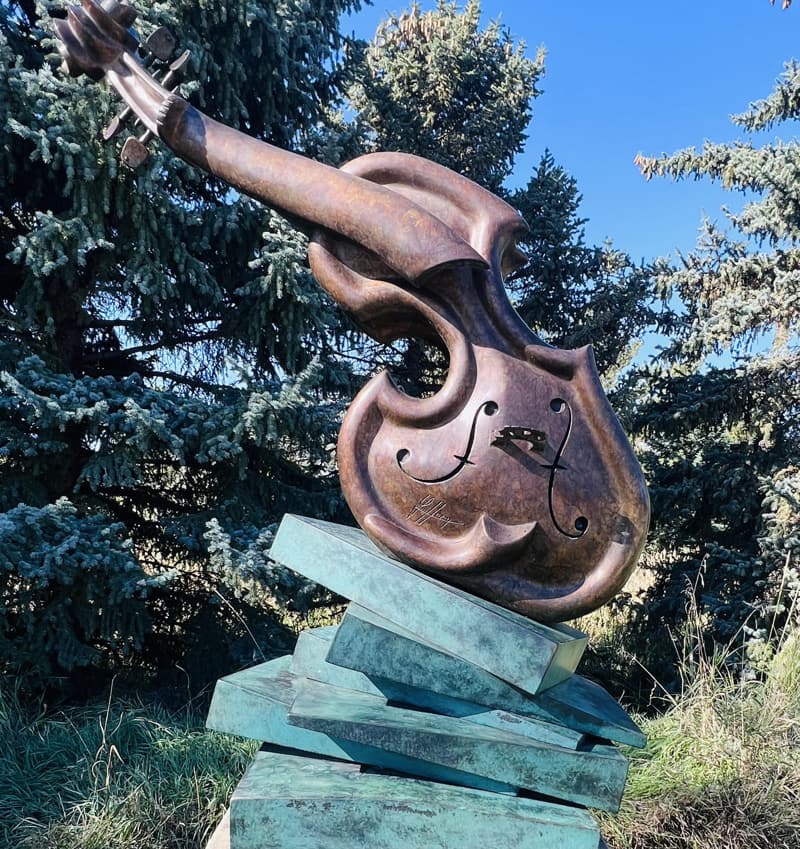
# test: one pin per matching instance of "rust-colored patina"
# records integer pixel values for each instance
(515, 480)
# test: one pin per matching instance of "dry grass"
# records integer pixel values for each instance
(722, 766)
(115, 776)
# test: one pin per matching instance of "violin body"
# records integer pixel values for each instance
(549, 528)
(515, 480)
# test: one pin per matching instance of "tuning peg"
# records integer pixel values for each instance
(115, 124)
(174, 75)
(122, 13)
(160, 44)
(134, 151)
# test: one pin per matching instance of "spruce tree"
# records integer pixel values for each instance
(719, 409)
(439, 86)
(167, 386)
(573, 294)
(436, 84)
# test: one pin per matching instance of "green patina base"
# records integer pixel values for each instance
(593, 775)
(427, 718)
(255, 703)
(527, 654)
(385, 653)
(293, 801)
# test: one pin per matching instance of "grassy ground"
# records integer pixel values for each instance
(721, 769)
(112, 776)
(722, 764)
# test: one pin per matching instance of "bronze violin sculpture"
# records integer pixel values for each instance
(515, 480)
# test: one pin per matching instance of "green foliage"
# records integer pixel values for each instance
(435, 84)
(721, 764)
(167, 468)
(571, 293)
(113, 776)
(718, 414)
(165, 356)
(51, 560)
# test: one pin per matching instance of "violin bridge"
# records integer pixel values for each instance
(536, 438)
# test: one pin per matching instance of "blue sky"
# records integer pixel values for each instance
(628, 77)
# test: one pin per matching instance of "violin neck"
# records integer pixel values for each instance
(310, 193)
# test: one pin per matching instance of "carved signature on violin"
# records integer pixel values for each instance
(430, 509)
(533, 497)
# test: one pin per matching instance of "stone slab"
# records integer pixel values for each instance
(382, 651)
(593, 775)
(527, 654)
(309, 660)
(221, 838)
(291, 802)
(254, 703)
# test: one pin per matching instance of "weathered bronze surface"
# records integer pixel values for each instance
(514, 481)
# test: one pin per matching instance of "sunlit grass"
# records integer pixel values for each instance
(110, 776)
(722, 764)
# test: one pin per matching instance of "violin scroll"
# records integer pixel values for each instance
(96, 39)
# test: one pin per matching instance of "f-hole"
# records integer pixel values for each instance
(488, 408)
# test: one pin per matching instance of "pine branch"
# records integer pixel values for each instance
(182, 379)
(782, 105)
(143, 497)
(171, 344)
(101, 323)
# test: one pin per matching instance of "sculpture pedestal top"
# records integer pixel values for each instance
(524, 653)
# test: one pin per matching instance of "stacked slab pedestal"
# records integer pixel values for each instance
(427, 718)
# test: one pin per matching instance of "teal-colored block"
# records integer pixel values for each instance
(309, 661)
(593, 775)
(527, 654)
(514, 723)
(254, 703)
(385, 652)
(292, 802)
